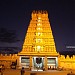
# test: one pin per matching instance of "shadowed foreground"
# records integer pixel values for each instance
(51, 72)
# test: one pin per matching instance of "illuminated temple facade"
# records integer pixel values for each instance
(39, 50)
(39, 46)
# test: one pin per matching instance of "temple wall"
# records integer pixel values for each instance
(67, 63)
(7, 60)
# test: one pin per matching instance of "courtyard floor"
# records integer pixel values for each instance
(50, 72)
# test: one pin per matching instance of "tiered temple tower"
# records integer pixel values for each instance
(39, 41)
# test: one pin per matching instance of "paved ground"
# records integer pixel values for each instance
(51, 72)
(14, 72)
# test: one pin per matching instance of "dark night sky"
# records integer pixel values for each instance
(15, 16)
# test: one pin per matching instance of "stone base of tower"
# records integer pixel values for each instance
(38, 61)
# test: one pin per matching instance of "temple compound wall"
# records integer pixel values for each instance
(67, 63)
(7, 60)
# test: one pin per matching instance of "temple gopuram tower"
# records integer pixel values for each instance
(39, 50)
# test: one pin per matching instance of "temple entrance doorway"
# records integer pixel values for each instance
(38, 63)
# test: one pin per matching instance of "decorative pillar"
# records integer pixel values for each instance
(59, 61)
(18, 62)
(46, 63)
(30, 67)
